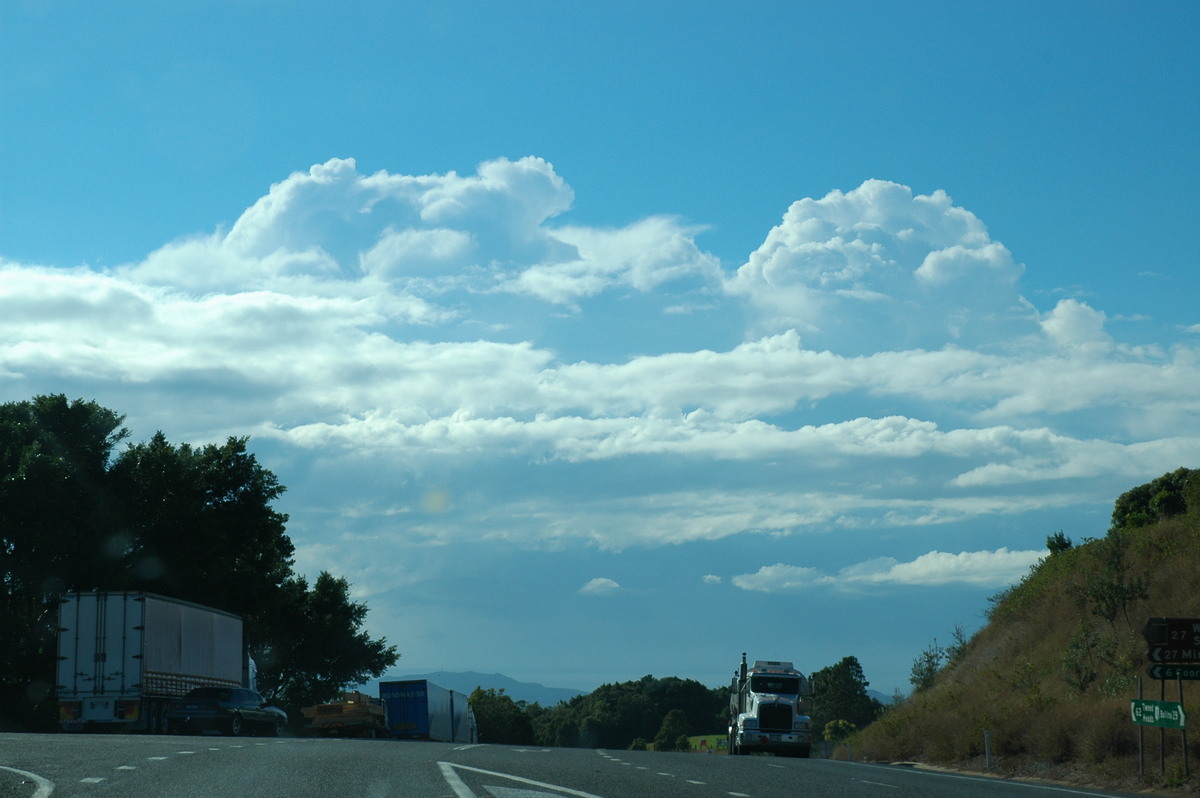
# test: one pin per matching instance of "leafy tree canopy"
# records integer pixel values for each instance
(840, 693)
(617, 715)
(191, 523)
(1171, 494)
(500, 719)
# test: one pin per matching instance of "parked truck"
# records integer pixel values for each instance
(418, 709)
(765, 713)
(123, 656)
(356, 714)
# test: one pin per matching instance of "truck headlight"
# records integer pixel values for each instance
(749, 723)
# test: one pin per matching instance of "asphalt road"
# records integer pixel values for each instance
(65, 766)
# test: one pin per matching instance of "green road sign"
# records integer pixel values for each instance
(1167, 714)
(1174, 671)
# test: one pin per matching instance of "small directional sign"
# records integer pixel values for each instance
(1173, 654)
(1167, 714)
(1173, 671)
(1172, 632)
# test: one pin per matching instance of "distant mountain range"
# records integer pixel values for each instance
(466, 681)
(882, 698)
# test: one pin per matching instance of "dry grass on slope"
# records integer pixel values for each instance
(1049, 679)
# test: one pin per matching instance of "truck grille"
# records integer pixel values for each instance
(775, 717)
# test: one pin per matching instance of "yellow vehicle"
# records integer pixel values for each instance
(356, 715)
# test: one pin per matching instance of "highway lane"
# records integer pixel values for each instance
(67, 766)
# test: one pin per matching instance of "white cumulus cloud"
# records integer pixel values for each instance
(878, 267)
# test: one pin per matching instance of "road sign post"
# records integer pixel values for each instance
(1173, 648)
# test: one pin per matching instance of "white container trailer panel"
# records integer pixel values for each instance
(99, 645)
(188, 646)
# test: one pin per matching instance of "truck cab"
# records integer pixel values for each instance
(765, 712)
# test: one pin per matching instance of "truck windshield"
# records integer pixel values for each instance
(775, 684)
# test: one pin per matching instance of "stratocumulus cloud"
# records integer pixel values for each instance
(882, 369)
(988, 569)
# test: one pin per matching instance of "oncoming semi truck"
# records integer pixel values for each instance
(765, 713)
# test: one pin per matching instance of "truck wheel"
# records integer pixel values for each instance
(160, 720)
(235, 726)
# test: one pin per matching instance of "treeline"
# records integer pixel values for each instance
(191, 523)
(661, 712)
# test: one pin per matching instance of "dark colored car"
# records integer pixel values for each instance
(229, 710)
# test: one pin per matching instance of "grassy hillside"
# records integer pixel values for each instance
(1051, 676)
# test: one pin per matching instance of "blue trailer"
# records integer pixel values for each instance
(420, 710)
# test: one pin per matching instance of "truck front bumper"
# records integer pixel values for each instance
(774, 742)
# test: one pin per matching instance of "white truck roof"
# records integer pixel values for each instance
(772, 665)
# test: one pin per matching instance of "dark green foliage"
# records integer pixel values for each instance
(840, 693)
(500, 719)
(191, 523)
(1160, 498)
(198, 525)
(674, 728)
(617, 715)
(1058, 543)
(56, 508)
(926, 666)
(315, 647)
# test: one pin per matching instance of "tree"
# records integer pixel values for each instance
(926, 666)
(1058, 543)
(674, 727)
(56, 513)
(1110, 589)
(838, 730)
(1160, 498)
(840, 693)
(200, 526)
(615, 715)
(316, 647)
(499, 718)
(191, 523)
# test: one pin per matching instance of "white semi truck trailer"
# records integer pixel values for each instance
(765, 710)
(123, 656)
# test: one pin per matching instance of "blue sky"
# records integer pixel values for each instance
(595, 340)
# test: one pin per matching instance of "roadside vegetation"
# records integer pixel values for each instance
(1049, 679)
(667, 714)
(192, 523)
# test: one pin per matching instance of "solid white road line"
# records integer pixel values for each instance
(44, 786)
